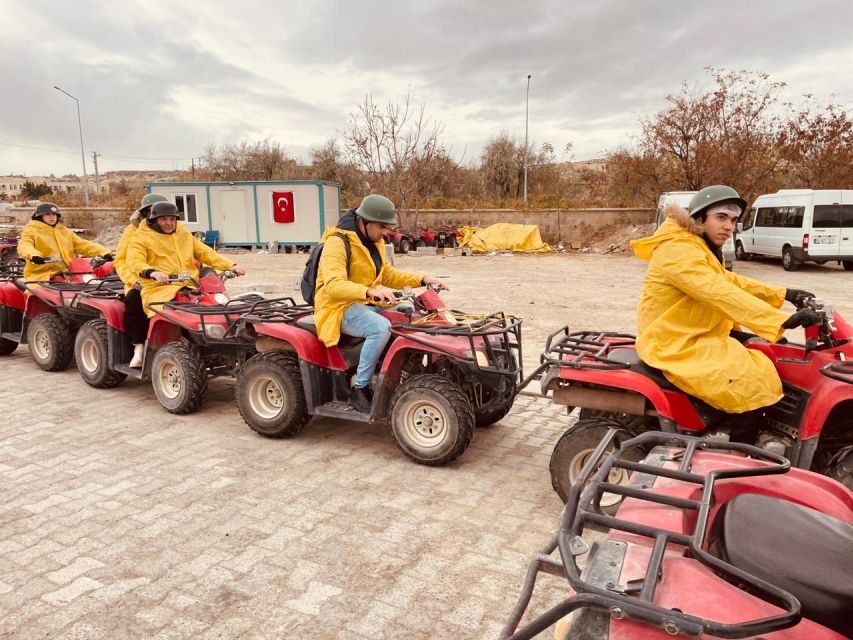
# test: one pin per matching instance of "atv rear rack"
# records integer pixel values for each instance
(233, 312)
(585, 349)
(286, 312)
(497, 335)
(636, 600)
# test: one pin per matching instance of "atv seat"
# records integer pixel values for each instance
(21, 284)
(803, 551)
(346, 342)
(707, 413)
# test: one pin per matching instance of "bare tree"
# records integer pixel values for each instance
(262, 160)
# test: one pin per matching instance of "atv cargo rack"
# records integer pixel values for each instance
(287, 311)
(197, 318)
(496, 334)
(11, 270)
(635, 600)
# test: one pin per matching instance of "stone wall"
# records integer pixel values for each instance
(555, 225)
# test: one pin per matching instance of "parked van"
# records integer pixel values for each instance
(799, 225)
(682, 199)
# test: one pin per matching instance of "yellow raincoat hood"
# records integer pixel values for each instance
(689, 304)
(336, 290)
(40, 239)
(170, 253)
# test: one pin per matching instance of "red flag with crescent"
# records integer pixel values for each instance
(282, 206)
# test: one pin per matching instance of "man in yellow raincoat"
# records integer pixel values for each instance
(345, 292)
(690, 304)
(161, 247)
(135, 320)
(44, 237)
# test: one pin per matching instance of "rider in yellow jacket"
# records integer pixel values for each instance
(162, 247)
(44, 237)
(347, 294)
(690, 303)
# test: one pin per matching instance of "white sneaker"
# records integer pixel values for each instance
(138, 353)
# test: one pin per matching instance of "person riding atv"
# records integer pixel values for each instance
(44, 237)
(690, 305)
(352, 274)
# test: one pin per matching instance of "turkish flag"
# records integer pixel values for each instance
(282, 206)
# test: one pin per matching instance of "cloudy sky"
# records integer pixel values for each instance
(158, 81)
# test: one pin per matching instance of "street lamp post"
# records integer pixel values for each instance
(82, 153)
(526, 119)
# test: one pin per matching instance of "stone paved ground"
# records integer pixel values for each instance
(119, 520)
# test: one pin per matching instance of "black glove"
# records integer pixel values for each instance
(803, 318)
(108, 256)
(37, 260)
(798, 297)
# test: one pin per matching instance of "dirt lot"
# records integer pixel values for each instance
(549, 291)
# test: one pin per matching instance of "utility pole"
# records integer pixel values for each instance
(82, 152)
(526, 119)
(95, 155)
(192, 160)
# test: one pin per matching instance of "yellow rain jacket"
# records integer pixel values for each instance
(128, 277)
(170, 253)
(40, 239)
(336, 291)
(689, 305)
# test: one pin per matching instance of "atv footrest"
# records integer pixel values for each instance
(341, 410)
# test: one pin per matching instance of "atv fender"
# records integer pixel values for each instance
(308, 347)
(111, 310)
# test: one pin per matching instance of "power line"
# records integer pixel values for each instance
(21, 146)
(109, 155)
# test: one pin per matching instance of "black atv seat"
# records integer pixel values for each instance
(805, 552)
(346, 342)
(707, 413)
(21, 284)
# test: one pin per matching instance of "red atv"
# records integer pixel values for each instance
(602, 374)
(190, 339)
(45, 314)
(441, 374)
(446, 236)
(707, 543)
(8, 250)
(403, 241)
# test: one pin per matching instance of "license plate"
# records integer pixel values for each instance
(824, 240)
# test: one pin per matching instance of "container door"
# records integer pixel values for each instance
(235, 217)
(846, 246)
(825, 235)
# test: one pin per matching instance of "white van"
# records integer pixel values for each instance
(682, 199)
(799, 225)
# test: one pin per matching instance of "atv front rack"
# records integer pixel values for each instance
(497, 335)
(636, 601)
(11, 270)
(233, 312)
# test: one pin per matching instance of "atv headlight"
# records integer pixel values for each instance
(221, 298)
(215, 331)
(479, 356)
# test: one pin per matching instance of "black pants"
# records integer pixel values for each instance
(135, 320)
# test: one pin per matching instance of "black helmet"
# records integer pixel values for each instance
(46, 207)
(162, 209)
(716, 194)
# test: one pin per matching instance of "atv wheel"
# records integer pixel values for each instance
(179, 378)
(848, 265)
(573, 451)
(405, 246)
(91, 353)
(789, 262)
(270, 396)
(51, 342)
(841, 468)
(431, 419)
(7, 346)
(494, 410)
(451, 242)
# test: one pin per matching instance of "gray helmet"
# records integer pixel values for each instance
(162, 209)
(715, 194)
(376, 208)
(148, 200)
(46, 207)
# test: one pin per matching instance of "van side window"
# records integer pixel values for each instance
(847, 216)
(789, 217)
(749, 219)
(764, 217)
(827, 216)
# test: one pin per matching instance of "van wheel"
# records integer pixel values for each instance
(740, 253)
(789, 262)
(848, 265)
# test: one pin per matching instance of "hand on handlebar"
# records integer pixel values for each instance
(37, 260)
(381, 294)
(160, 277)
(441, 284)
(807, 317)
(798, 297)
(238, 270)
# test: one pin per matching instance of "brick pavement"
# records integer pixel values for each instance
(119, 520)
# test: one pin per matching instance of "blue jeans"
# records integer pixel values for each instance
(364, 321)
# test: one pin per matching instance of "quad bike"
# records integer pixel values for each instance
(442, 374)
(602, 374)
(45, 314)
(190, 339)
(8, 250)
(707, 543)
(403, 242)
(446, 236)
